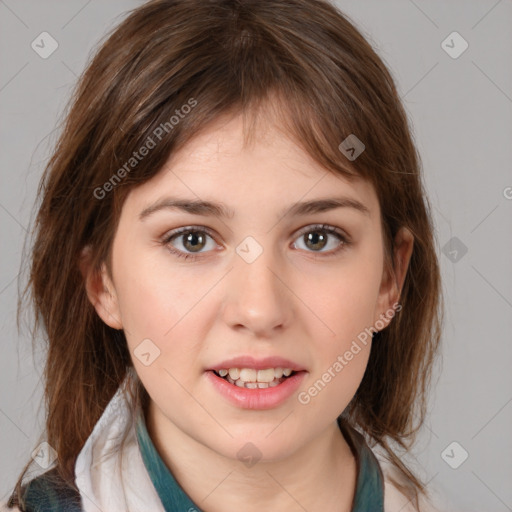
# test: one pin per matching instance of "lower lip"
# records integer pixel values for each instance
(259, 398)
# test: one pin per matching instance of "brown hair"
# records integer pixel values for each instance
(225, 57)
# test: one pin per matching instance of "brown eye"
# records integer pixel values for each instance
(193, 241)
(317, 238)
(189, 242)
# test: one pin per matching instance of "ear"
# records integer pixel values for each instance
(393, 279)
(100, 290)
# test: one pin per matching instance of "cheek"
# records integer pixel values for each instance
(345, 303)
(154, 299)
(334, 381)
(159, 313)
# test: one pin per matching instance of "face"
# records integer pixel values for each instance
(255, 282)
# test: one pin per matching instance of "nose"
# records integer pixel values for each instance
(258, 299)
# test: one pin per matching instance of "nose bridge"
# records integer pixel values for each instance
(258, 298)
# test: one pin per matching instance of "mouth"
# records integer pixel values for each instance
(250, 378)
(250, 388)
(256, 383)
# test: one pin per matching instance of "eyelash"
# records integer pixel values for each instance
(326, 228)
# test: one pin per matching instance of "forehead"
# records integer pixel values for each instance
(272, 169)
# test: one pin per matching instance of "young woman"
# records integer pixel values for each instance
(235, 268)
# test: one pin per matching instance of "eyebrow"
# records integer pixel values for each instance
(209, 208)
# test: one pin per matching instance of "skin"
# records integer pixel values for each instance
(292, 301)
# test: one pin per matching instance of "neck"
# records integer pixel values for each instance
(321, 472)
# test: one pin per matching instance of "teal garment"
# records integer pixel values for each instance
(369, 495)
(49, 493)
(172, 496)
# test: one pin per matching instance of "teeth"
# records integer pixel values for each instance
(255, 379)
(265, 375)
(248, 375)
(234, 373)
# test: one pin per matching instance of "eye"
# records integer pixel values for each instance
(192, 239)
(319, 236)
(189, 242)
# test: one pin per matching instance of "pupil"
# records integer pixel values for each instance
(192, 238)
(314, 237)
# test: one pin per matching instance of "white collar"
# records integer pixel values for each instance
(110, 472)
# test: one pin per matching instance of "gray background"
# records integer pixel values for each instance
(461, 112)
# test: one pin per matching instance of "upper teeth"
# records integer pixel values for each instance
(251, 375)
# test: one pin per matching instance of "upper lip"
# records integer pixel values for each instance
(257, 363)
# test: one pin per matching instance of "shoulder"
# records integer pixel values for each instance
(396, 501)
(47, 493)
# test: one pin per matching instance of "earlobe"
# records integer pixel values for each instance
(100, 290)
